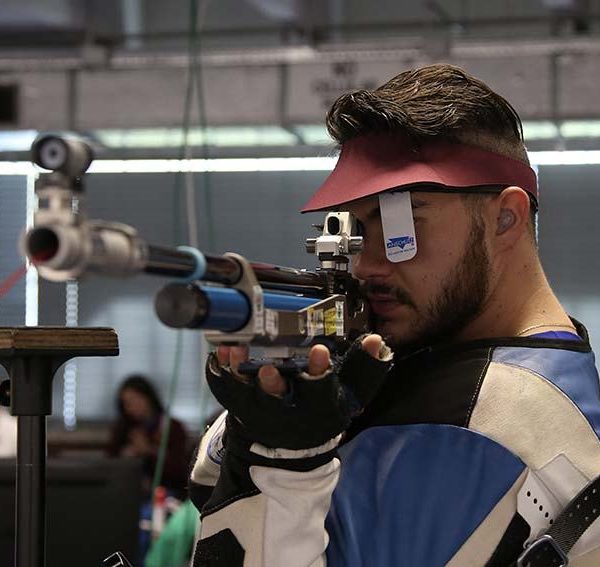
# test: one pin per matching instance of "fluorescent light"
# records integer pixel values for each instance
(569, 157)
(70, 371)
(222, 136)
(31, 277)
(266, 135)
(16, 168)
(213, 165)
(314, 134)
(17, 140)
(540, 130)
(187, 165)
(580, 129)
(222, 165)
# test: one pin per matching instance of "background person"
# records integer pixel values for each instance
(137, 433)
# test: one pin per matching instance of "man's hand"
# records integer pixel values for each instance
(269, 379)
(307, 410)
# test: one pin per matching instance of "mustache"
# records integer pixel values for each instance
(398, 294)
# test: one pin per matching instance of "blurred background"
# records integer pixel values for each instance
(234, 79)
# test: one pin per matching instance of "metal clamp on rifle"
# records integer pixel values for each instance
(284, 325)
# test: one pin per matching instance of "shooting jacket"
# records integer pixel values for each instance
(467, 452)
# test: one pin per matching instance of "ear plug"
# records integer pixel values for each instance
(505, 221)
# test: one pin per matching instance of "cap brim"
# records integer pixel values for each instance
(369, 165)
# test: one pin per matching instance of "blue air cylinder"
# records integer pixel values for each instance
(287, 302)
(216, 308)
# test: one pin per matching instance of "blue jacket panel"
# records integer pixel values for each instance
(411, 495)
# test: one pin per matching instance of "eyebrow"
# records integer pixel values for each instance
(375, 212)
(416, 203)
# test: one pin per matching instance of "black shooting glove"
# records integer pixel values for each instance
(314, 411)
(273, 442)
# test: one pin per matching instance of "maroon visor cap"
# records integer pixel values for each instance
(375, 163)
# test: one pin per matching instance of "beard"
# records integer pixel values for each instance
(461, 299)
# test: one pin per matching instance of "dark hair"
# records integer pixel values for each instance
(142, 385)
(441, 102)
(435, 102)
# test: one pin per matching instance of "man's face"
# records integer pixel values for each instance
(435, 295)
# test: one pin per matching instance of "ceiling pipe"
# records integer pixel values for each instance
(411, 48)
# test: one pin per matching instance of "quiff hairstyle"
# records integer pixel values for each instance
(437, 102)
(441, 102)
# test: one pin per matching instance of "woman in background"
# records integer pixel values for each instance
(138, 430)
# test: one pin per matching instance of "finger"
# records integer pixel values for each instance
(319, 360)
(237, 355)
(223, 355)
(271, 381)
(372, 344)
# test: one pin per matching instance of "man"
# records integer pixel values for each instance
(487, 424)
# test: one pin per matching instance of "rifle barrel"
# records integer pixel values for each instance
(182, 263)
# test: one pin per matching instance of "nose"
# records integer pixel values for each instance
(371, 263)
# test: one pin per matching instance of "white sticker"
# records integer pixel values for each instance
(272, 323)
(398, 226)
(339, 318)
(315, 322)
(258, 310)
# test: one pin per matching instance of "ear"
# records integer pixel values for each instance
(510, 220)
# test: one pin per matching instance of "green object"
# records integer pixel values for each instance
(175, 544)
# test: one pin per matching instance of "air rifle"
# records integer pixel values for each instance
(284, 310)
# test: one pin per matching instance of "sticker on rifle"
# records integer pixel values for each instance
(272, 323)
(339, 318)
(314, 322)
(330, 321)
(398, 226)
(258, 310)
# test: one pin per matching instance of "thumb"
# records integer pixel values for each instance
(372, 345)
(319, 360)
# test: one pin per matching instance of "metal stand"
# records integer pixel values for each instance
(31, 356)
